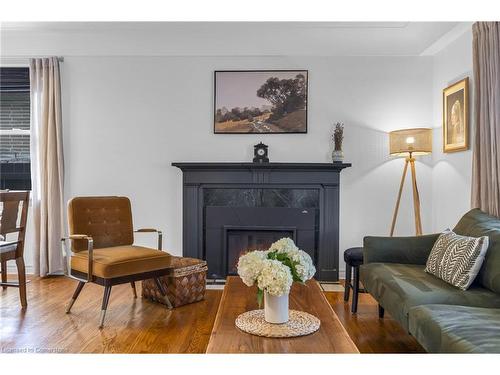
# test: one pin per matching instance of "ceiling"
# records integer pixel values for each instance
(223, 38)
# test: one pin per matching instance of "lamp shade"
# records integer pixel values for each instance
(416, 141)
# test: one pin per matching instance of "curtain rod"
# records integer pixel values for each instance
(59, 58)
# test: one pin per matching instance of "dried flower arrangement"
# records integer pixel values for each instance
(338, 136)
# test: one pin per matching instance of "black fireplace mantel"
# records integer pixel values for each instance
(245, 165)
(202, 179)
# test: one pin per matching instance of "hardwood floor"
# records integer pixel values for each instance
(139, 326)
(132, 325)
(369, 333)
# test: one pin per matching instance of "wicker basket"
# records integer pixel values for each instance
(185, 284)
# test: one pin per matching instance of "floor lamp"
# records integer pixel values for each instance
(410, 143)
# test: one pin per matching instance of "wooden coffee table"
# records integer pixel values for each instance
(238, 298)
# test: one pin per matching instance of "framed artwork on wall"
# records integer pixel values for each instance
(456, 116)
(260, 101)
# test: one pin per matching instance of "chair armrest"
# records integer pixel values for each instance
(90, 249)
(405, 250)
(152, 230)
(146, 230)
(77, 237)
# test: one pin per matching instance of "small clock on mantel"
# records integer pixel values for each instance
(260, 153)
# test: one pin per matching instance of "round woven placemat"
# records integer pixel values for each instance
(299, 324)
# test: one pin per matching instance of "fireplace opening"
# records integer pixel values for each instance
(230, 231)
(240, 241)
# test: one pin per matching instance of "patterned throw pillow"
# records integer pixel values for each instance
(457, 259)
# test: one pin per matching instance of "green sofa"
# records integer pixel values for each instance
(443, 318)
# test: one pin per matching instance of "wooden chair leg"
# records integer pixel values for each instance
(105, 300)
(355, 291)
(163, 292)
(381, 312)
(21, 276)
(347, 286)
(78, 289)
(4, 273)
(134, 291)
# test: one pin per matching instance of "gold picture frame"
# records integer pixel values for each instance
(456, 116)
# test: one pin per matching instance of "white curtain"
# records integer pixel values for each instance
(486, 154)
(47, 169)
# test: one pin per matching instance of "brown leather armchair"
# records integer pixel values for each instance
(102, 238)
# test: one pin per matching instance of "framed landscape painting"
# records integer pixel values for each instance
(260, 101)
(456, 117)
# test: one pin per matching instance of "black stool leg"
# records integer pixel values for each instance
(381, 312)
(348, 284)
(355, 291)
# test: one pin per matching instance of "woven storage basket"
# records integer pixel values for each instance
(186, 283)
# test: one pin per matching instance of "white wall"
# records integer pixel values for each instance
(127, 118)
(452, 172)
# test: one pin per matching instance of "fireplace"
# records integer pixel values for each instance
(230, 230)
(239, 241)
(230, 208)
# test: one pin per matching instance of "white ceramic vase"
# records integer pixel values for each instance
(275, 308)
(337, 156)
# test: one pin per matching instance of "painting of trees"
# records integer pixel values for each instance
(261, 101)
(287, 95)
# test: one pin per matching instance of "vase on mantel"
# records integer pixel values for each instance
(337, 156)
(338, 138)
(276, 308)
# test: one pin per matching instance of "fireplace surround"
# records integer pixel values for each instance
(229, 208)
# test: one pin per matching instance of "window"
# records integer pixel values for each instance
(15, 128)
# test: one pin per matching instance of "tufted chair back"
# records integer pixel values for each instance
(107, 219)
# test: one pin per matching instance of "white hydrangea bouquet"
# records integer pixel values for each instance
(274, 271)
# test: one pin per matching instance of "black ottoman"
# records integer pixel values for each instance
(353, 258)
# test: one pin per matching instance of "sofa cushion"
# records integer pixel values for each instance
(121, 261)
(456, 329)
(399, 287)
(476, 223)
(457, 259)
